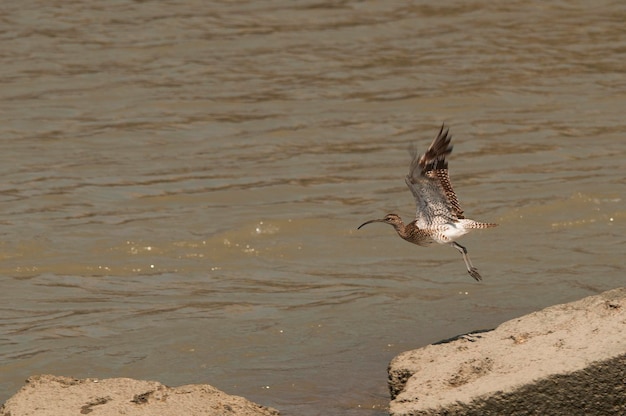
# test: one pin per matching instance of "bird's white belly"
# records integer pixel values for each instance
(449, 232)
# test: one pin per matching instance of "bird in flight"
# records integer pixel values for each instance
(439, 215)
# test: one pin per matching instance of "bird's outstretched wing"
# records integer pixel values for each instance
(430, 184)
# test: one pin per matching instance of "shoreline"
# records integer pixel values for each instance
(563, 359)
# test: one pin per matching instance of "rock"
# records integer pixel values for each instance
(48, 395)
(567, 359)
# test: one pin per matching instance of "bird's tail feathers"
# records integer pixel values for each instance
(467, 223)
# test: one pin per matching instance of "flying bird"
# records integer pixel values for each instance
(439, 215)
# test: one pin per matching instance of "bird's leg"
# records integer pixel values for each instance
(473, 271)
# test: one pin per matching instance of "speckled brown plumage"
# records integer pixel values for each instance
(439, 216)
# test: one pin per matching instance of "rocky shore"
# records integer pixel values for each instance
(567, 359)
(48, 395)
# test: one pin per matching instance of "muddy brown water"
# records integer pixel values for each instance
(181, 183)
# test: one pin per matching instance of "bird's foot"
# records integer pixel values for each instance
(474, 273)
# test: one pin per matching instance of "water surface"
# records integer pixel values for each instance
(182, 182)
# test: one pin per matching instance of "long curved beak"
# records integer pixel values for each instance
(369, 222)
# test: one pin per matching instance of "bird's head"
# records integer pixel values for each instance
(391, 219)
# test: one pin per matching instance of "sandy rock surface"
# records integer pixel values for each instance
(567, 359)
(48, 395)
